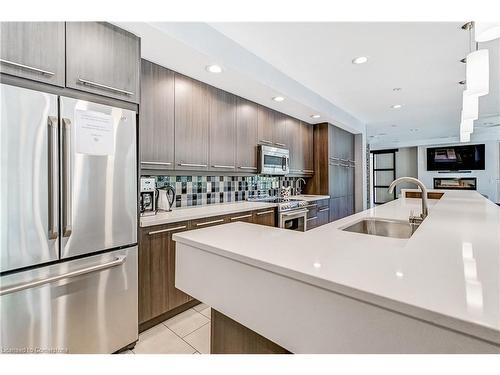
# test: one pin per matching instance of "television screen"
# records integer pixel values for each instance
(454, 158)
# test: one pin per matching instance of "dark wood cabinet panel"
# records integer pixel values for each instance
(191, 124)
(308, 153)
(246, 136)
(265, 217)
(222, 149)
(102, 59)
(156, 117)
(296, 146)
(33, 50)
(157, 292)
(266, 121)
(280, 136)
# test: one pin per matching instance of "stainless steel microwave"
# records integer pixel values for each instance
(273, 160)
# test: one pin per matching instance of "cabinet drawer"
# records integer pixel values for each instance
(241, 216)
(33, 50)
(208, 222)
(102, 59)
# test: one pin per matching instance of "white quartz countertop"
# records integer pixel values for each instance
(447, 273)
(197, 212)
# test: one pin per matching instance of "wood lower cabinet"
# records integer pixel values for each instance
(157, 292)
(318, 213)
(33, 50)
(103, 59)
(156, 117)
(265, 217)
(247, 217)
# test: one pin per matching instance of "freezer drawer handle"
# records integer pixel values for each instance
(119, 260)
(105, 87)
(27, 67)
(53, 173)
(66, 179)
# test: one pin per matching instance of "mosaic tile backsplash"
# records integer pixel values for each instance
(202, 190)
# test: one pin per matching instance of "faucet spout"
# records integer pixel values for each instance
(425, 207)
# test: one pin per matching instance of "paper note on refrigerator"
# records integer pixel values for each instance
(94, 133)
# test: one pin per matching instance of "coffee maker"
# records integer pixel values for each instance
(148, 196)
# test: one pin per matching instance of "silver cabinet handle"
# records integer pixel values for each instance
(66, 161)
(312, 218)
(105, 87)
(53, 174)
(167, 230)
(223, 166)
(32, 284)
(156, 162)
(27, 67)
(209, 222)
(286, 214)
(192, 165)
(241, 217)
(296, 170)
(307, 171)
(279, 144)
(252, 168)
(265, 212)
(266, 141)
(324, 209)
(312, 205)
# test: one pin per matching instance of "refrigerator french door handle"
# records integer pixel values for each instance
(66, 160)
(52, 122)
(82, 271)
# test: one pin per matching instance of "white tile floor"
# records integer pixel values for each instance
(186, 333)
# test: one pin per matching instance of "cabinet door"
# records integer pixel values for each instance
(265, 120)
(156, 117)
(246, 136)
(307, 139)
(222, 130)
(102, 59)
(157, 292)
(265, 217)
(33, 50)
(323, 215)
(191, 124)
(296, 146)
(335, 208)
(280, 138)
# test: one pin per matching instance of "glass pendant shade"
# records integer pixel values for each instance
(485, 31)
(478, 72)
(470, 106)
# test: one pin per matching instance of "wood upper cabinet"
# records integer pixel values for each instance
(280, 135)
(103, 59)
(222, 149)
(156, 117)
(307, 148)
(33, 50)
(192, 109)
(296, 146)
(157, 291)
(266, 121)
(246, 135)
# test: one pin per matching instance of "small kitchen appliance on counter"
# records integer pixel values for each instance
(148, 196)
(166, 198)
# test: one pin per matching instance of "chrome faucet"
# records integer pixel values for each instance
(298, 188)
(425, 207)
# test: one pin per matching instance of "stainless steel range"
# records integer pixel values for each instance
(292, 213)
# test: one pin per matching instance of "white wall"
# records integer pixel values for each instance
(406, 166)
(488, 180)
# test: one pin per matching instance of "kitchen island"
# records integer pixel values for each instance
(333, 291)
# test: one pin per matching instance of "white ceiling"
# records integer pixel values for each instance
(310, 64)
(420, 58)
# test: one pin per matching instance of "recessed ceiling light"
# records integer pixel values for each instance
(393, 126)
(317, 265)
(214, 68)
(396, 106)
(414, 129)
(315, 116)
(278, 98)
(397, 89)
(360, 60)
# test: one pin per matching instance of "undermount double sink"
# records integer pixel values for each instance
(383, 227)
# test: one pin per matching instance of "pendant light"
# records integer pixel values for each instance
(486, 31)
(478, 72)
(470, 106)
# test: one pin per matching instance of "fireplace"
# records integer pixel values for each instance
(450, 183)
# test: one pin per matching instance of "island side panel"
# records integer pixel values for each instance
(307, 319)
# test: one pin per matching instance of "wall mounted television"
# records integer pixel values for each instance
(455, 158)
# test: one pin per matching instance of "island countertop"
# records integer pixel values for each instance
(447, 273)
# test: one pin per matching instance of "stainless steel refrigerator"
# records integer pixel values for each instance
(68, 224)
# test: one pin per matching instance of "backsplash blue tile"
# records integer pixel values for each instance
(202, 190)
